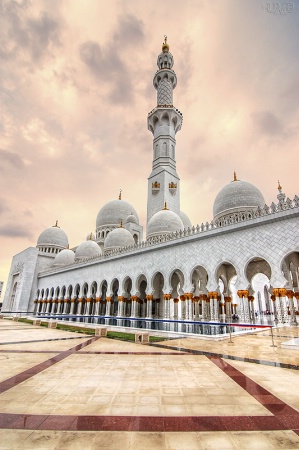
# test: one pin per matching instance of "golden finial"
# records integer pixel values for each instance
(56, 224)
(165, 206)
(68, 246)
(90, 237)
(235, 177)
(165, 46)
(121, 224)
(119, 197)
(279, 187)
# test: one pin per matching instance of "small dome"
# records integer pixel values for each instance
(53, 237)
(88, 249)
(131, 219)
(90, 237)
(164, 222)
(114, 212)
(117, 238)
(237, 196)
(186, 221)
(64, 258)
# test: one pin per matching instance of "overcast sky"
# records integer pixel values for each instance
(76, 87)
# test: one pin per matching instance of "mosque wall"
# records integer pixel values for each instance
(268, 239)
(22, 281)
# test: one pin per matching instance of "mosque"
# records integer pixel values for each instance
(180, 271)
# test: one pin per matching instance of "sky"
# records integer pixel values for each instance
(76, 88)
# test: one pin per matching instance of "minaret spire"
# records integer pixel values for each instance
(164, 121)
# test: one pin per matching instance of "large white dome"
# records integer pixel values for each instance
(53, 237)
(114, 212)
(237, 196)
(185, 219)
(163, 222)
(117, 238)
(88, 249)
(64, 258)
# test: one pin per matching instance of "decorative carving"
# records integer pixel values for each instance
(156, 185)
(172, 185)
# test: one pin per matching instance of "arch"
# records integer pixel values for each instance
(63, 291)
(155, 121)
(77, 291)
(84, 290)
(127, 285)
(257, 265)
(69, 291)
(157, 284)
(114, 290)
(141, 278)
(57, 291)
(226, 271)
(165, 120)
(102, 294)
(164, 149)
(52, 293)
(260, 284)
(290, 269)
(103, 286)
(13, 295)
(176, 281)
(93, 289)
(199, 278)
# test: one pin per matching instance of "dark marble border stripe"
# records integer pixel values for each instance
(23, 376)
(274, 404)
(145, 423)
(136, 353)
(30, 351)
(97, 353)
(232, 357)
(43, 340)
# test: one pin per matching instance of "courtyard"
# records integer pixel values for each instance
(66, 390)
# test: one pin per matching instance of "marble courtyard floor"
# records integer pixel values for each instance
(64, 390)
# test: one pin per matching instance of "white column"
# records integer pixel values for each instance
(166, 298)
(108, 306)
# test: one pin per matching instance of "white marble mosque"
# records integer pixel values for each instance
(244, 260)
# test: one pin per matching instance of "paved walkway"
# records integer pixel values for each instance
(63, 390)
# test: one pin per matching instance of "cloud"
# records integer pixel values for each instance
(268, 123)
(130, 31)
(106, 62)
(3, 206)
(15, 230)
(21, 31)
(12, 158)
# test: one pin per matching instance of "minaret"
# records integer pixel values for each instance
(164, 121)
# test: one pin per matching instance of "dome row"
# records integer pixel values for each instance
(236, 196)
